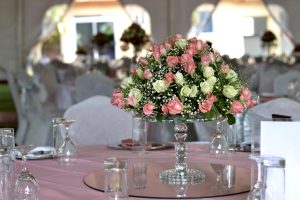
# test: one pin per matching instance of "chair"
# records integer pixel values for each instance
(281, 82)
(264, 111)
(98, 122)
(34, 120)
(22, 120)
(92, 84)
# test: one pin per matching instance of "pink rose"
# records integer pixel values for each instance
(217, 56)
(162, 50)
(250, 103)
(207, 58)
(175, 106)
(176, 37)
(131, 101)
(212, 99)
(205, 106)
(172, 61)
(169, 77)
(191, 50)
(185, 58)
(190, 67)
(193, 40)
(165, 109)
(147, 74)
(156, 53)
(117, 93)
(148, 108)
(225, 68)
(200, 45)
(245, 94)
(143, 61)
(167, 44)
(237, 107)
(117, 99)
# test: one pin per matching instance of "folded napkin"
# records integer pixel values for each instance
(38, 152)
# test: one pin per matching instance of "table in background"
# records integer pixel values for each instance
(66, 182)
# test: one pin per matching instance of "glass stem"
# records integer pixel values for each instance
(180, 147)
(24, 161)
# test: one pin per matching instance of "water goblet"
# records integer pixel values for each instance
(67, 151)
(26, 187)
(257, 191)
(218, 143)
(218, 169)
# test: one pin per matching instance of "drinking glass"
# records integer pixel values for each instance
(139, 134)
(274, 178)
(139, 175)
(218, 169)
(26, 187)
(218, 143)
(257, 191)
(7, 141)
(67, 151)
(115, 178)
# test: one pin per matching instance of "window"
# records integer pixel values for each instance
(87, 27)
(206, 21)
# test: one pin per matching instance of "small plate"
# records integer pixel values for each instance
(154, 146)
(38, 153)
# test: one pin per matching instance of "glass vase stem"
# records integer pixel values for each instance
(181, 149)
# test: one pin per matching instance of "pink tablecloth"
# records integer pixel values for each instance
(66, 182)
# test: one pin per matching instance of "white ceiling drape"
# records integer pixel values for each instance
(21, 27)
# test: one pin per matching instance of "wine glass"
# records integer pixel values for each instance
(26, 187)
(218, 169)
(218, 143)
(257, 192)
(67, 151)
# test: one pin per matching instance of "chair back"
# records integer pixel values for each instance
(97, 121)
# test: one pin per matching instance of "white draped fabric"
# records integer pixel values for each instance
(21, 22)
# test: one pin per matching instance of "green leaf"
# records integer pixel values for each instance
(230, 119)
(159, 117)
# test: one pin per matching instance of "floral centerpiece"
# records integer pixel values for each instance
(268, 40)
(183, 79)
(136, 36)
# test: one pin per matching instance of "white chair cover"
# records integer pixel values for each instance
(92, 84)
(264, 111)
(281, 82)
(98, 122)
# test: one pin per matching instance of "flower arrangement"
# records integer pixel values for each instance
(135, 35)
(183, 79)
(102, 39)
(268, 38)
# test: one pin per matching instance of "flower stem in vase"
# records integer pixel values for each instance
(181, 174)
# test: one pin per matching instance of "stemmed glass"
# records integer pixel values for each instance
(67, 151)
(218, 169)
(218, 143)
(257, 192)
(26, 185)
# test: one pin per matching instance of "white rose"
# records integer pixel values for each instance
(194, 91)
(206, 87)
(179, 78)
(208, 72)
(160, 86)
(136, 93)
(126, 82)
(212, 80)
(139, 72)
(231, 75)
(185, 91)
(181, 43)
(229, 91)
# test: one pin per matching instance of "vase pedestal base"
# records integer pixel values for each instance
(192, 176)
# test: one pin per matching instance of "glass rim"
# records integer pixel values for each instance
(7, 131)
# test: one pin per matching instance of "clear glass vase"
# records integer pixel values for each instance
(181, 174)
